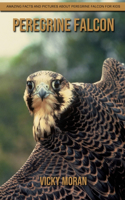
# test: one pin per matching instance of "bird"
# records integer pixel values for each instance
(79, 129)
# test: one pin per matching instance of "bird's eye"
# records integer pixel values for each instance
(56, 84)
(30, 85)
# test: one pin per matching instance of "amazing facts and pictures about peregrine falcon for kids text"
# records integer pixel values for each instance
(72, 39)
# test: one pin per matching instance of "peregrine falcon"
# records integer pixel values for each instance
(79, 130)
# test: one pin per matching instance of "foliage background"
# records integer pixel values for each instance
(76, 55)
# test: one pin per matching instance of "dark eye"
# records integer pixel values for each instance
(30, 85)
(56, 84)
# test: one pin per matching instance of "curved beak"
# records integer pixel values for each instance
(42, 93)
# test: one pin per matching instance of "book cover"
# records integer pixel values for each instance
(72, 39)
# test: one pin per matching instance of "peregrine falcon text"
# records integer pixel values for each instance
(64, 25)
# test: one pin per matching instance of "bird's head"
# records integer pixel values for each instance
(47, 94)
(47, 91)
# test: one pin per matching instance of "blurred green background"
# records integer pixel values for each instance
(76, 55)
